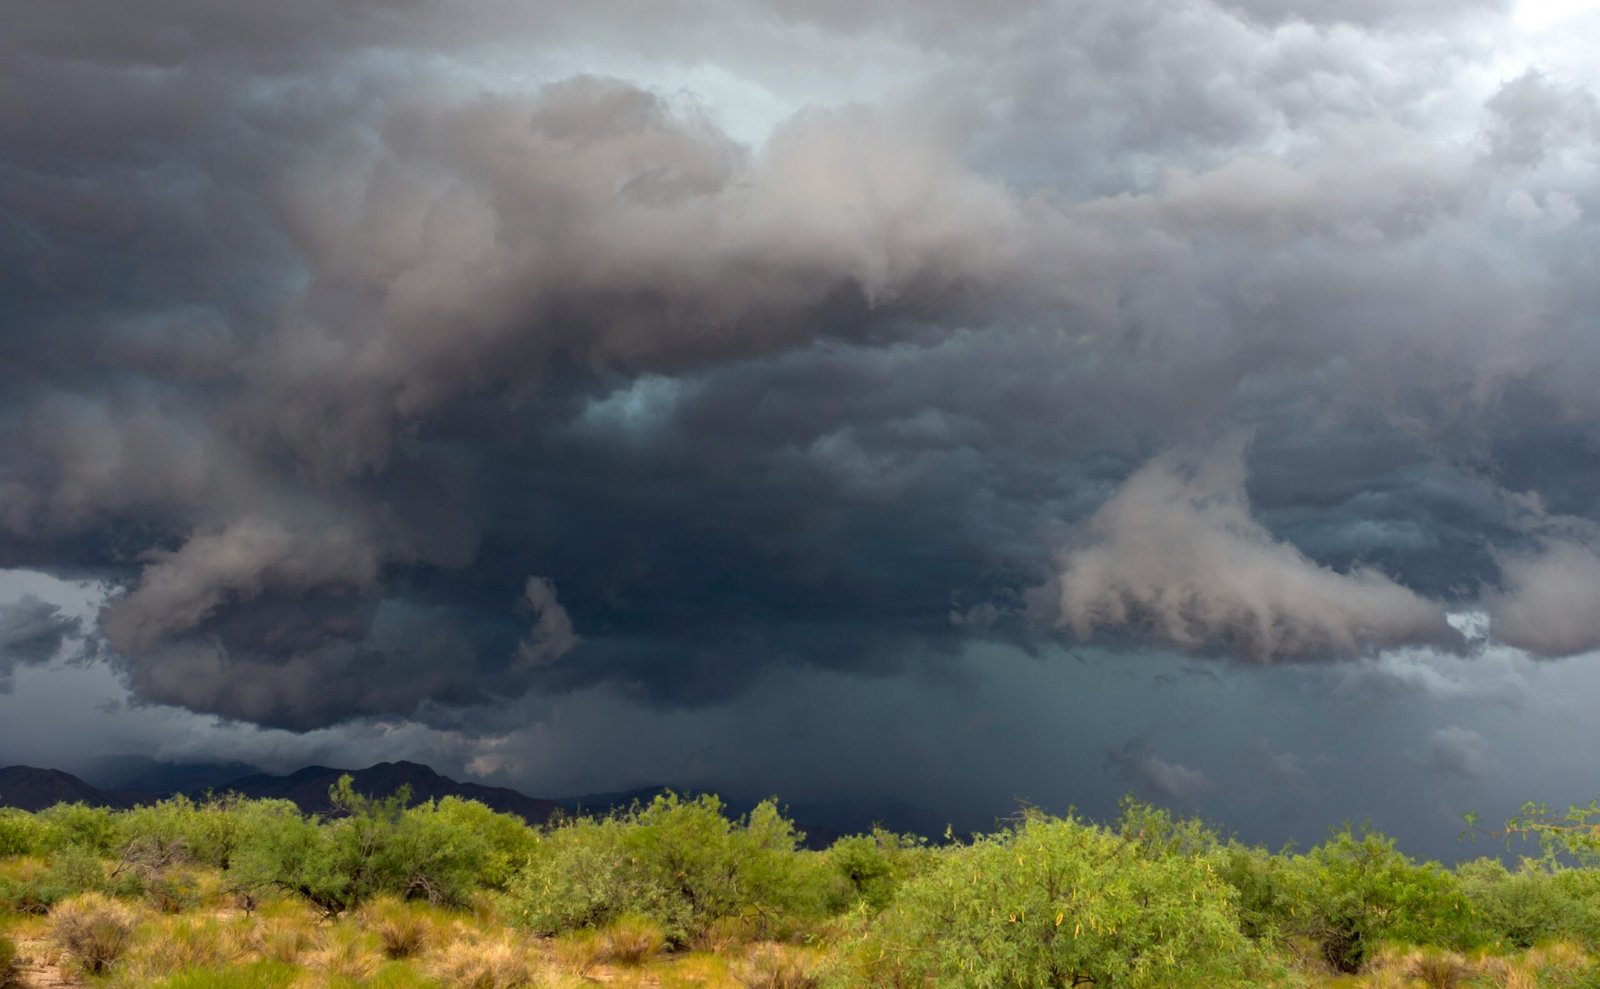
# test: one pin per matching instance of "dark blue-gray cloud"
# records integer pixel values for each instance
(406, 364)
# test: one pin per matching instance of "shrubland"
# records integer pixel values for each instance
(227, 892)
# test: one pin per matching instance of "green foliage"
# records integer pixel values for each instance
(1358, 890)
(1534, 905)
(680, 862)
(506, 841)
(21, 833)
(873, 866)
(91, 828)
(1059, 902)
(1569, 837)
(72, 870)
(10, 967)
(440, 852)
(1268, 888)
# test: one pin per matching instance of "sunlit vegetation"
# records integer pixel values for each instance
(240, 894)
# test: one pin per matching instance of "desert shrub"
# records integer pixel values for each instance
(335, 864)
(504, 840)
(437, 852)
(1268, 890)
(576, 878)
(1057, 902)
(1158, 833)
(1358, 890)
(1530, 906)
(872, 866)
(10, 964)
(20, 833)
(37, 886)
(630, 940)
(92, 828)
(93, 930)
(682, 863)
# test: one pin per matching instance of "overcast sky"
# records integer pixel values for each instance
(955, 402)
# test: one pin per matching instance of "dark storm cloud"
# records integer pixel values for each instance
(1155, 778)
(1281, 770)
(31, 631)
(1457, 751)
(324, 330)
(1176, 557)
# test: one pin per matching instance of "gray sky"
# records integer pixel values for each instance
(966, 403)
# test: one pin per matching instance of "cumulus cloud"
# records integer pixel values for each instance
(1175, 558)
(1548, 601)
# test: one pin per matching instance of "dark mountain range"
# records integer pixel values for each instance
(36, 789)
(146, 781)
(308, 788)
(144, 776)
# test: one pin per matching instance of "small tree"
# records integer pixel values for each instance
(334, 865)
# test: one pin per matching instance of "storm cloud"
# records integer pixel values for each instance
(418, 371)
(1175, 556)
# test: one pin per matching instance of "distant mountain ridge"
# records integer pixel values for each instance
(34, 789)
(308, 788)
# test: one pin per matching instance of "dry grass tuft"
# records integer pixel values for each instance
(631, 940)
(283, 938)
(344, 951)
(579, 952)
(471, 961)
(1439, 970)
(403, 932)
(723, 934)
(174, 944)
(772, 966)
(93, 930)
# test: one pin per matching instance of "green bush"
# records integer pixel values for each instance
(1058, 902)
(92, 828)
(1357, 890)
(71, 870)
(872, 867)
(20, 833)
(682, 863)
